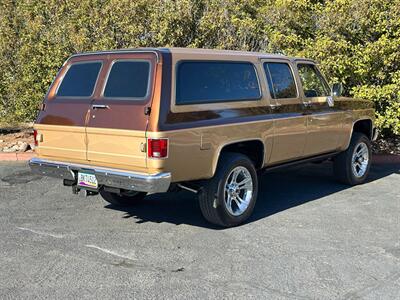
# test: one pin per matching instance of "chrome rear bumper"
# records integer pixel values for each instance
(142, 182)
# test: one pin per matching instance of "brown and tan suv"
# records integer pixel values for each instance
(131, 122)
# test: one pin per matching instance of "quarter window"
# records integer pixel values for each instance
(210, 82)
(128, 79)
(80, 79)
(314, 85)
(280, 80)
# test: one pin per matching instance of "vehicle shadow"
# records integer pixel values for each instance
(279, 190)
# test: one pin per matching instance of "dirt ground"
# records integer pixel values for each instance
(16, 140)
(387, 146)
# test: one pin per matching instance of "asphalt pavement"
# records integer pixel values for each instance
(309, 238)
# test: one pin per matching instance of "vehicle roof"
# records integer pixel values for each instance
(201, 51)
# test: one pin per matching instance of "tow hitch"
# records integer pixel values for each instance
(76, 190)
(83, 192)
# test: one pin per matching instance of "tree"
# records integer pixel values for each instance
(356, 42)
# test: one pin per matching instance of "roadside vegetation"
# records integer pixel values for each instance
(355, 42)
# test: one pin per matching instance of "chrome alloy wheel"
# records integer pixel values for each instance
(238, 191)
(360, 160)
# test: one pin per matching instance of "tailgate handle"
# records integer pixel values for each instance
(100, 106)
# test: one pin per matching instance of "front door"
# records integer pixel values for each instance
(290, 123)
(116, 130)
(324, 122)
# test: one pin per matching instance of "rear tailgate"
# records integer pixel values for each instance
(61, 142)
(108, 127)
(117, 147)
(116, 129)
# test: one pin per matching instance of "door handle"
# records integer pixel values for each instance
(100, 106)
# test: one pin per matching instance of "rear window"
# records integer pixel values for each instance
(280, 80)
(80, 79)
(209, 82)
(128, 80)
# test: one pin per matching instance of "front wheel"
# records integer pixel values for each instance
(228, 198)
(127, 198)
(352, 166)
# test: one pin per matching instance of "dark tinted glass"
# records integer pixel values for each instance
(280, 80)
(128, 79)
(207, 82)
(79, 80)
(312, 81)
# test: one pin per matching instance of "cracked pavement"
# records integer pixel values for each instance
(309, 238)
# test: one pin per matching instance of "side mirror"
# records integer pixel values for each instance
(337, 89)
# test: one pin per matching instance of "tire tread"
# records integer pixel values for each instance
(209, 190)
(342, 162)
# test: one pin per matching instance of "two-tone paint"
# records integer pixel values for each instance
(282, 130)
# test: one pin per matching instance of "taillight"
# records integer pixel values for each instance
(157, 148)
(35, 137)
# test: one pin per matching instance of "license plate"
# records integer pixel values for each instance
(87, 180)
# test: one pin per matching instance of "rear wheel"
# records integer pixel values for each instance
(127, 198)
(228, 198)
(352, 166)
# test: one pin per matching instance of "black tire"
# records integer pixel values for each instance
(124, 199)
(343, 163)
(212, 194)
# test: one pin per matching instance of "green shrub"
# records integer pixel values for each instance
(356, 42)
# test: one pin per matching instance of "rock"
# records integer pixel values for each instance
(1, 141)
(23, 147)
(7, 150)
(15, 147)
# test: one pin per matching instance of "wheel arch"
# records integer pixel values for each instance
(254, 148)
(365, 126)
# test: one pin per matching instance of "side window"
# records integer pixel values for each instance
(80, 79)
(280, 80)
(314, 85)
(128, 80)
(219, 81)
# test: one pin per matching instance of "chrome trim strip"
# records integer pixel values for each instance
(142, 182)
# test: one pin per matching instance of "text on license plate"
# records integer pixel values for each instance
(87, 180)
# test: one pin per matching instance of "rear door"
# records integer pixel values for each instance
(61, 123)
(116, 130)
(290, 123)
